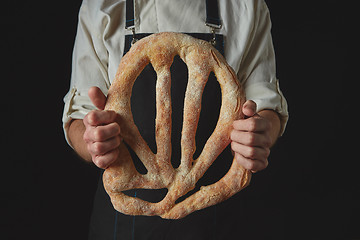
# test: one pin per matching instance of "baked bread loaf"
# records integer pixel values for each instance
(201, 58)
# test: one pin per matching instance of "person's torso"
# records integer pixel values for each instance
(151, 17)
(188, 16)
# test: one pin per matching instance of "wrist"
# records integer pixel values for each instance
(75, 132)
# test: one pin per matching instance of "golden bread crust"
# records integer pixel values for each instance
(201, 58)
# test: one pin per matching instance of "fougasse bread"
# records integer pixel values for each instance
(201, 58)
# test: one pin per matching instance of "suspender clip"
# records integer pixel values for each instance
(134, 39)
(213, 28)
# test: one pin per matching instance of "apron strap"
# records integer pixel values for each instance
(212, 18)
(130, 15)
(130, 19)
(212, 14)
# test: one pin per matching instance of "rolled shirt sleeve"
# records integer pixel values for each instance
(269, 96)
(89, 67)
(257, 69)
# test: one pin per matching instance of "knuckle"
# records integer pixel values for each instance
(233, 135)
(266, 163)
(251, 152)
(252, 124)
(233, 145)
(267, 152)
(86, 136)
(103, 161)
(237, 157)
(98, 134)
(261, 165)
(85, 119)
(116, 128)
(118, 141)
(88, 147)
(99, 162)
(87, 116)
(251, 138)
(237, 124)
(98, 148)
(241, 159)
(91, 117)
(250, 164)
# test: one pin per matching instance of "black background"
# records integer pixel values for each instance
(311, 186)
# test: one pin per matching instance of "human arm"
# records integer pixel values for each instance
(266, 114)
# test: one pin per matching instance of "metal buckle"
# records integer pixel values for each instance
(134, 39)
(213, 27)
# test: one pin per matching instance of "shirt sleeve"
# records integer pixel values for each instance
(258, 70)
(89, 67)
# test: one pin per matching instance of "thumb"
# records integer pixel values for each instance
(249, 108)
(97, 97)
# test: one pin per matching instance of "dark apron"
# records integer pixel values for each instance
(209, 223)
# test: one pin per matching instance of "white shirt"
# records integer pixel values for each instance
(100, 41)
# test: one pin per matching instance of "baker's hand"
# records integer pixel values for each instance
(102, 134)
(251, 139)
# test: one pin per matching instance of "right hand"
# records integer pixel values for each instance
(102, 133)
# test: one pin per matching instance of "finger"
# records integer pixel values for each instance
(100, 148)
(97, 97)
(250, 138)
(256, 153)
(251, 164)
(253, 124)
(96, 118)
(104, 161)
(103, 133)
(249, 108)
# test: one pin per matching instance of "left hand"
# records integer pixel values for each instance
(251, 139)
